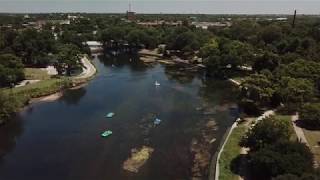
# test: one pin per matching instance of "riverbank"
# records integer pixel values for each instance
(86, 75)
(49, 89)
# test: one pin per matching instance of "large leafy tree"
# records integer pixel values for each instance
(282, 158)
(294, 92)
(11, 69)
(268, 61)
(267, 132)
(258, 88)
(271, 34)
(31, 45)
(68, 59)
(211, 48)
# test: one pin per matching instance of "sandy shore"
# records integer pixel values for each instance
(49, 98)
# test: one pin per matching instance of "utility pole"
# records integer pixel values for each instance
(294, 19)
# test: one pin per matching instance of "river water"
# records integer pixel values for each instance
(61, 140)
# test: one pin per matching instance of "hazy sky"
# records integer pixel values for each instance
(164, 6)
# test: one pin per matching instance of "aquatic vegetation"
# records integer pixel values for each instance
(138, 158)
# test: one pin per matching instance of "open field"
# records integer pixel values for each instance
(36, 73)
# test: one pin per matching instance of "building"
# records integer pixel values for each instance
(131, 16)
(206, 25)
(160, 23)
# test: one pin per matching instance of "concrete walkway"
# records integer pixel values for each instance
(237, 83)
(88, 70)
(301, 137)
(300, 134)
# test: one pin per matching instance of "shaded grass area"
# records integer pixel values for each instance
(36, 73)
(313, 138)
(230, 152)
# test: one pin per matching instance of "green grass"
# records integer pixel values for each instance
(230, 152)
(42, 88)
(313, 138)
(36, 73)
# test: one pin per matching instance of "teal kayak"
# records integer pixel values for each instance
(110, 115)
(106, 133)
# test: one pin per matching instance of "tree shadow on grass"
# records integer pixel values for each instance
(306, 126)
(239, 166)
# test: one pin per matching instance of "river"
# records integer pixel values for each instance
(61, 139)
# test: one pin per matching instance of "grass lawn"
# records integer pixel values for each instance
(41, 88)
(230, 152)
(313, 138)
(36, 73)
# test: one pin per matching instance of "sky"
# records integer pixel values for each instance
(163, 6)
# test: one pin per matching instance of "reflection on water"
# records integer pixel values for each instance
(61, 139)
(9, 133)
(72, 97)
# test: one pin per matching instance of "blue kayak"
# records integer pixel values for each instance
(110, 115)
(106, 133)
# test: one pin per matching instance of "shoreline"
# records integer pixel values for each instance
(78, 81)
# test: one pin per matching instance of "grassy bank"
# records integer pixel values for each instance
(25, 93)
(232, 148)
(230, 152)
(313, 138)
(13, 99)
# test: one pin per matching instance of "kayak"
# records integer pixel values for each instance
(157, 121)
(106, 133)
(110, 115)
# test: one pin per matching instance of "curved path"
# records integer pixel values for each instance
(88, 69)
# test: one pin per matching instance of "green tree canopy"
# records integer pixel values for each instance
(310, 115)
(11, 70)
(295, 92)
(267, 132)
(68, 59)
(282, 158)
